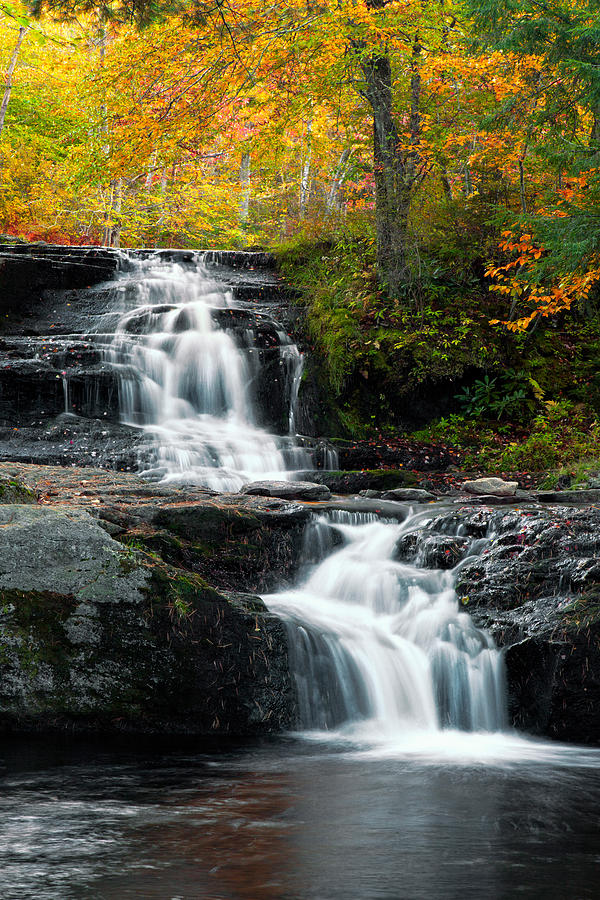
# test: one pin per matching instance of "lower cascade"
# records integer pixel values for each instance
(188, 356)
(384, 643)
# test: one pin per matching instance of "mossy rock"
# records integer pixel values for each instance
(584, 611)
(99, 636)
(252, 544)
(14, 491)
(207, 524)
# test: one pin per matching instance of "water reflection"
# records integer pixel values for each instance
(294, 820)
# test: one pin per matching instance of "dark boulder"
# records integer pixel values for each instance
(26, 270)
(440, 551)
(536, 586)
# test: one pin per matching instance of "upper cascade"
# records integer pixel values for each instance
(190, 358)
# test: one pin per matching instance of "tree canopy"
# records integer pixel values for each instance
(242, 123)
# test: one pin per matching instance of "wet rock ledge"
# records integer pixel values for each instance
(129, 607)
(532, 578)
(125, 607)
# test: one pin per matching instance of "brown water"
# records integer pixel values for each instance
(296, 819)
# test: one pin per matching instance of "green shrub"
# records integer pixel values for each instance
(563, 434)
(514, 395)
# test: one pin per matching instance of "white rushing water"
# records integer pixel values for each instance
(382, 647)
(187, 382)
(377, 646)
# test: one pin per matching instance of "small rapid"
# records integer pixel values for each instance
(188, 358)
(380, 646)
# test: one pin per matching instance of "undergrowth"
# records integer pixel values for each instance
(563, 441)
(379, 351)
(510, 402)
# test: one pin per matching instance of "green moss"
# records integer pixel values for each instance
(378, 352)
(162, 546)
(36, 619)
(179, 593)
(249, 604)
(584, 611)
(349, 480)
(13, 491)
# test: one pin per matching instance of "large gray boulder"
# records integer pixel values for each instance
(95, 635)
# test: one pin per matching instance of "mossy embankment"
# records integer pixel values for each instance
(432, 366)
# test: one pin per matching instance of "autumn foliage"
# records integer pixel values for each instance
(244, 123)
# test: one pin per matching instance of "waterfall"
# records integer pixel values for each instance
(373, 639)
(188, 358)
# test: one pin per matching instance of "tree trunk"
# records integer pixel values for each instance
(150, 171)
(394, 172)
(118, 205)
(333, 196)
(595, 131)
(522, 187)
(468, 185)
(107, 228)
(305, 173)
(446, 185)
(8, 80)
(111, 236)
(244, 207)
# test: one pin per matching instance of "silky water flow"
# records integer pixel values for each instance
(379, 646)
(188, 383)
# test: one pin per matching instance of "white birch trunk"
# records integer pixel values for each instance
(305, 173)
(333, 197)
(244, 207)
(151, 168)
(117, 207)
(111, 236)
(8, 78)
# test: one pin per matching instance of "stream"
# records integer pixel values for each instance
(298, 819)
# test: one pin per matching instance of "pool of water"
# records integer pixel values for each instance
(448, 816)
